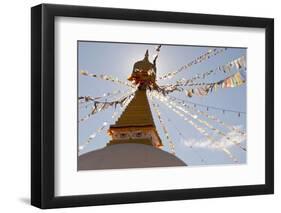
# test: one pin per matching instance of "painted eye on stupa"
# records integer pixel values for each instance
(123, 135)
(138, 134)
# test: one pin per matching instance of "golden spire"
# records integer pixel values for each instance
(136, 124)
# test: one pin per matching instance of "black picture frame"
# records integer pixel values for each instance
(43, 105)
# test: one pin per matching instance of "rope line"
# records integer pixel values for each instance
(209, 107)
(209, 54)
(171, 144)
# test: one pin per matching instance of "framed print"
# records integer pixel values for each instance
(140, 106)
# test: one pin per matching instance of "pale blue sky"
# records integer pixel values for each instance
(117, 59)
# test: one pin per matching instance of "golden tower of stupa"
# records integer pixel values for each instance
(136, 124)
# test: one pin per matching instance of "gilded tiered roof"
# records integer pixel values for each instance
(137, 113)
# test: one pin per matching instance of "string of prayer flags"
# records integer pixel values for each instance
(93, 135)
(200, 91)
(103, 105)
(238, 64)
(84, 99)
(211, 127)
(87, 101)
(171, 144)
(107, 78)
(168, 89)
(207, 55)
(198, 128)
(211, 117)
(207, 107)
(105, 124)
(232, 81)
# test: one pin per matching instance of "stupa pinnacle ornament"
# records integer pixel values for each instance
(144, 73)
